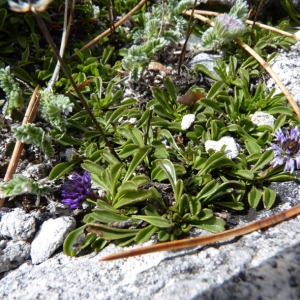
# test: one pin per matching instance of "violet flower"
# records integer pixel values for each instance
(231, 22)
(287, 149)
(76, 190)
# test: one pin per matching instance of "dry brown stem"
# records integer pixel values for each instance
(108, 31)
(29, 115)
(203, 240)
(249, 22)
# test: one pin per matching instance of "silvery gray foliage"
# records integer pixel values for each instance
(19, 185)
(31, 134)
(161, 26)
(53, 108)
(227, 26)
(12, 90)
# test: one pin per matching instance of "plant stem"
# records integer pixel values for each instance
(28, 117)
(69, 76)
(116, 25)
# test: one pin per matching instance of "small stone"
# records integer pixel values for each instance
(231, 147)
(13, 254)
(187, 121)
(17, 225)
(261, 118)
(50, 237)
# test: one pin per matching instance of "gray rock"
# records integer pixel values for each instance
(263, 264)
(50, 237)
(208, 60)
(17, 225)
(13, 254)
(287, 67)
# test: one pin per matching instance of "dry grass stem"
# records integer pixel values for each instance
(249, 22)
(28, 118)
(204, 240)
(116, 25)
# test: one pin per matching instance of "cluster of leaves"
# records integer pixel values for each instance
(12, 90)
(227, 27)
(31, 134)
(201, 180)
(154, 152)
(156, 29)
(20, 184)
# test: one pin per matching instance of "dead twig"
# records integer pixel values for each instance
(249, 22)
(109, 31)
(29, 115)
(203, 240)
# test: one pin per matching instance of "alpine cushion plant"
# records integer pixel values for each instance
(287, 149)
(76, 190)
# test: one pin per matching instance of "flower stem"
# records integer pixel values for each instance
(69, 76)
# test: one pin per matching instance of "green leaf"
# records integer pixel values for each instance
(243, 174)
(159, 175)
(263, 160)
(111, 159)
(171, 88)
(178, 190)
(137, 137)
(71, 240)
(195, 206)
(137, 160)
(268, 197)
(110, 233)
(208, 190)
(107, 216)
(252, 147)
(145, 234)
(254, 197)
(140, 179)
(22, 74)
(133, 197)
(161, 97)
(199, 68)
(212, 104)
(232, 205)
(92, 167)
(168, 168)
(61, 169)
(155, 221)
(105, 206)
(213, 224)
(3, 14)
(216, 161)
(128, 150)
(164, 235)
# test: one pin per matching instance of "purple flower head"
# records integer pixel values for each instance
(231, 22)
(287, 149)
(76, 190)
